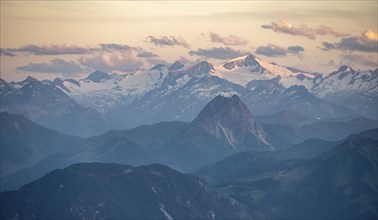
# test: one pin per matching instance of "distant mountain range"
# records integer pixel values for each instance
(49, 106)
(102, 101)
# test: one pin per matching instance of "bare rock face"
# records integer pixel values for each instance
(229, 120)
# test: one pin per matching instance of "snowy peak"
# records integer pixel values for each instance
(248, 60)
(197, 69)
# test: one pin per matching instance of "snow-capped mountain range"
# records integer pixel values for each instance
(180, 91)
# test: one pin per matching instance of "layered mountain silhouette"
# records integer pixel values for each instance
(113, 191)
(335, 180)
(223, 127)
(315, 180)
(23, 143)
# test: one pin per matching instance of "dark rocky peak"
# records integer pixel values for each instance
(30, 79)
(229, 120)
(2, 81)
(202, 67)
(58, 82)
(298, 89)
(73, 81)
(98, 76)
(4, 86)
(158, 67)
(345, 68)
(176, 66)
(343, 71)
(31, 82)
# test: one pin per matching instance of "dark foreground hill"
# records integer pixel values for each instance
(113, 191)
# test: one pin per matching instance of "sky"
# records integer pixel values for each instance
(69, 39)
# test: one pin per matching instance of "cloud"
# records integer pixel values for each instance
(68, 49)
(324, 30)
(116, 47)
(6, 52)
(53, 49)
(108, 62)
(295, 49)
(271, 51)
(231, 40)
(221, 53)
(147, 54)
(152, 61)
(56, 66)
(326, 46)
(369, 60)
(283, 26)
(366, 42)
(168, 41)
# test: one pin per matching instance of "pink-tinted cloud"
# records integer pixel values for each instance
(231, 40)
(368, 60)
(221, 53)
(324, 30)
(69, 49)
(108, 62)
(271, 50)
(6, 52)
(366, 42)
(286, 27)
(283, 26)
(53, 49)
(56, 66)
(168, 41)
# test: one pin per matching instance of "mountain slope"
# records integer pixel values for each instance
(340, 183)
(181, 96)
(222, 128)
(24, 143)
(49, 106)
(113, 191)
(252, 163)
(270, 97)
